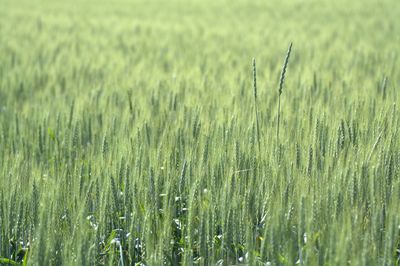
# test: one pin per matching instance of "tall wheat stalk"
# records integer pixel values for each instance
(255, 103)
(281, 81)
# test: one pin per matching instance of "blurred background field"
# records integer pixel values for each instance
(128, 134)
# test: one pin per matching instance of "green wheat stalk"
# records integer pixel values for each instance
(281, 81)
(255, 103)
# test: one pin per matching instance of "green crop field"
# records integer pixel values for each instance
(188, 133)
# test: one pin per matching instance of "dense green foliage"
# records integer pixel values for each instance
(128, 133)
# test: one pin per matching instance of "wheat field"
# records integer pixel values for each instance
(187, 133)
